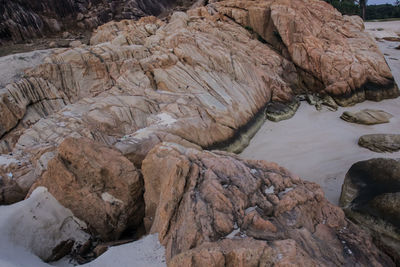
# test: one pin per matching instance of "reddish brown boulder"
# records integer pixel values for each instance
(332, 53)
(213, 208)
(98, 184)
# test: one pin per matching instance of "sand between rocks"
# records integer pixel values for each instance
(319, 146)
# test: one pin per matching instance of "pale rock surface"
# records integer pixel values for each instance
(212, 208)
(98, 184)
(38, 225)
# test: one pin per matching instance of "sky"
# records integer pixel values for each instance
(377, 2)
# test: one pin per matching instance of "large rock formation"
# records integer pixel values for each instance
(98, 184)
(149, 80)
(371, 197)
(199, 79)
(22, 20)
(214, 209)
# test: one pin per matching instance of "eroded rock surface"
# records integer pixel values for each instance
(370, 197)
(331, 52)
(380, 142)
(199, 79)
(98, 184)
(367, 116)
(212, 208)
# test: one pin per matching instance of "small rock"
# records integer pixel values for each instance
(380, 142)
(367, 117)
(79, 17)
(100, 249)
(151, 28)
(391, 39)
(75, 43)
(52, 44)
(66, 35)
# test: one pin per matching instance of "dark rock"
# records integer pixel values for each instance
(371, 197)
(277, 111)
(63, 249)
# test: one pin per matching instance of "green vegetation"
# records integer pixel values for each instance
(368, 12)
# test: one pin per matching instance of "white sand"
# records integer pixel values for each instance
(319, 146)
(383, 28)
(146, 252)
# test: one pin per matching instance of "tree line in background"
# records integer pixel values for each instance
(367, 12)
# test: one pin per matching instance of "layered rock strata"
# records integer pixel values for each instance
(41, 225)
(199, 79)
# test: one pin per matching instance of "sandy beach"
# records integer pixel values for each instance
(315, 145)
(319, 146)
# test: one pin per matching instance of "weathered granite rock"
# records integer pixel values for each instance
(141, 87)
(367, 116)
(370, 197)
(322, 44)
(98, 184)
(380, 142)
(200, 79)
(213, 208)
